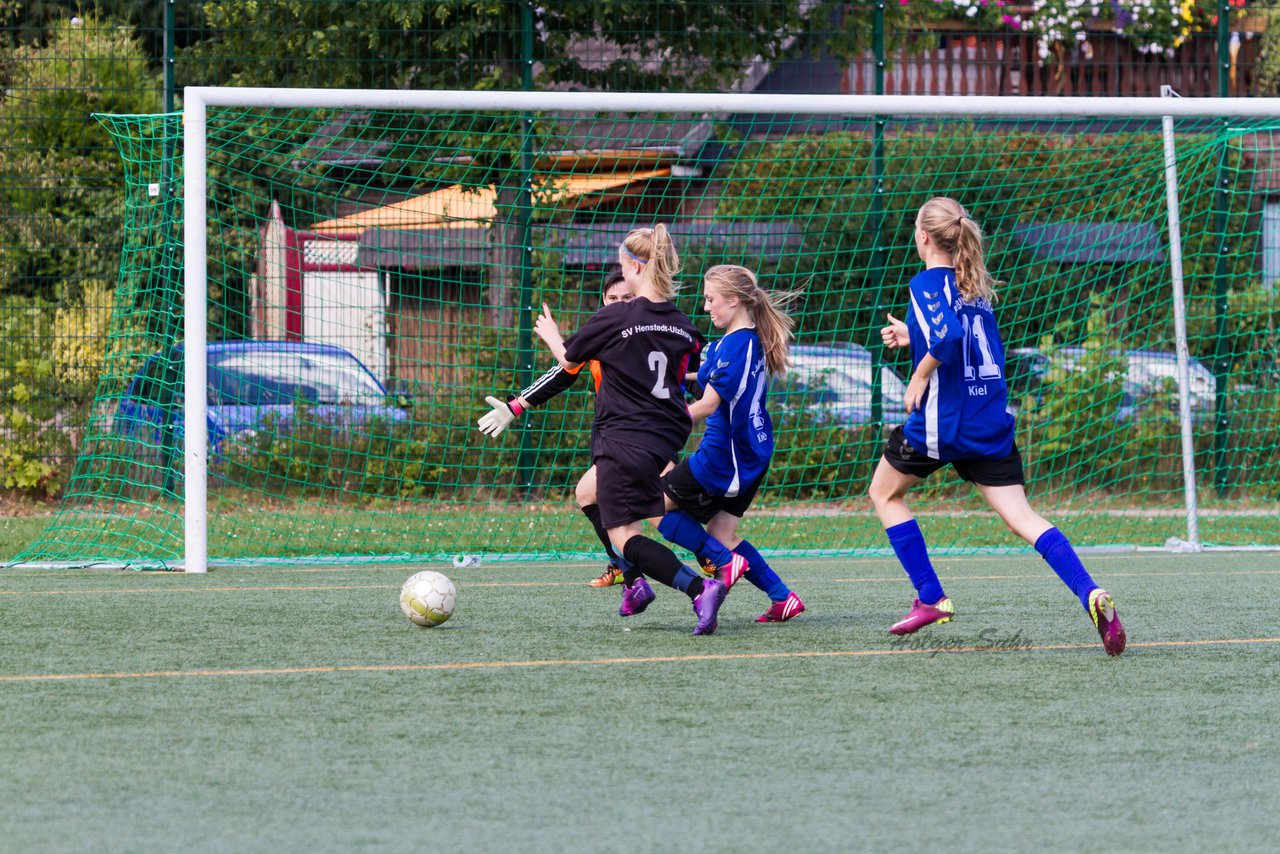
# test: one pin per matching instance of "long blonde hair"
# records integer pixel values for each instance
(767, 311)
(654, 248)
(953, 231)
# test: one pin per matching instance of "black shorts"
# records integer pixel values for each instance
(1002, 471)
(628, 483)
(690, 496)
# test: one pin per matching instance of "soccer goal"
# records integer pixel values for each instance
(319, 288)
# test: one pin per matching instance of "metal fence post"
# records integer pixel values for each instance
(525, 204)
(878, 262)
(1221, 357)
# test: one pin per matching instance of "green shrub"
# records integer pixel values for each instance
(34, 415)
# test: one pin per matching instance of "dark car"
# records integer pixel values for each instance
(253, 384)
(834, 381)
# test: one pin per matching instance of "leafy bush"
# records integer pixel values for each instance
(81, 329)
(35, 442)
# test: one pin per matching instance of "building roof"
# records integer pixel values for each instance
(461, 206)
(577, 244)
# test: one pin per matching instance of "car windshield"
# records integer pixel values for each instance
(274, 377)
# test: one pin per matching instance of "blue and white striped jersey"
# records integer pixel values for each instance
(738, 441)
(963, 415)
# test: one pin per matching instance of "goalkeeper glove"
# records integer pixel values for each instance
(495, 421)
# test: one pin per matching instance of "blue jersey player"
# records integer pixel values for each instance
(645, 348)
(717, 483)
(955, 402)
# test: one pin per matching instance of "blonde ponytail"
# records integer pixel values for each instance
(953, 231)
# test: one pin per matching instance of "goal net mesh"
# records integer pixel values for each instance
(373, 275)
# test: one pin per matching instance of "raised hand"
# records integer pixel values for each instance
(547, 329)
(549, 332)
(895, 333)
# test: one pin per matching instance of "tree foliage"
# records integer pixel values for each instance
(642, 45)
(33, 22)
(59, 174)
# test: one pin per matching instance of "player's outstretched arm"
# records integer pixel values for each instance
(547, 386)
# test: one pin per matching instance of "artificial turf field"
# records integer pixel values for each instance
(282, 709)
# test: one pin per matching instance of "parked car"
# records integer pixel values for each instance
(834, 381)
(252, 384)
(1150, 372)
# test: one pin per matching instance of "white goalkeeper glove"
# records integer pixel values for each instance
(495, 421)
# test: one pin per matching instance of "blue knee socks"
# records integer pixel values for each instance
(761, 574)
(683, 530)
(1056, 549)
(908, 545)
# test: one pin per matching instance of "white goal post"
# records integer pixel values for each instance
(196, 100)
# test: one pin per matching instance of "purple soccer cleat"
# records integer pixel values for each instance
(1102, 610)
(707, 606)
(780, 612)
(635, 597)
(924, 615)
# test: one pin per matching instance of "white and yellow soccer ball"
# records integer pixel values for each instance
(427, 598)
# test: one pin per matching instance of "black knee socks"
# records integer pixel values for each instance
(658, 562)
(592, 512)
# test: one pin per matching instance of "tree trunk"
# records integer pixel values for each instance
(505, 252)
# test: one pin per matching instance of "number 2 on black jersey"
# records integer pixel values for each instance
(658, 364)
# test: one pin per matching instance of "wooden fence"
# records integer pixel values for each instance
(945, 62)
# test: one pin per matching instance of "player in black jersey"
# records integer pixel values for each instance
(645, 348)
(553, 382)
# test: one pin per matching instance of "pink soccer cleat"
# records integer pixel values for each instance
(924, 615)
(729, 573)
(1102, 610)
(780, 612)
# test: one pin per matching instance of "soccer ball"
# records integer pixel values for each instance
(427, 598)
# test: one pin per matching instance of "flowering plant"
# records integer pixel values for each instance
(1154, 26)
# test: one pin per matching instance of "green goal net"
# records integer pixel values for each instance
(373, 274)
